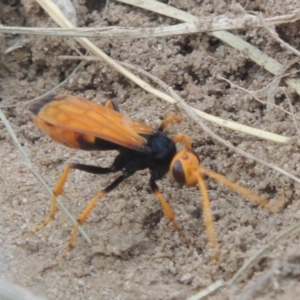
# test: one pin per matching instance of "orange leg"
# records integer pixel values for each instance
(245, 192)
(166, 121)
(56, 192)
(208, 219)
(166, 207)
(184, 139)
(86, 212)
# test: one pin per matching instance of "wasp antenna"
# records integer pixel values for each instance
(245, 192)
(208, 219)
(37, 106)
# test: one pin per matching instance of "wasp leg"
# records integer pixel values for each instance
(57, 191)
(167, 120)
(92, 169)
(165, 206)
(61, 182)
(184, 139)
(208, 220)
(86, 212)
(274, 207)
(113, 104)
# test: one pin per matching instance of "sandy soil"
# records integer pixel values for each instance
(135, 252)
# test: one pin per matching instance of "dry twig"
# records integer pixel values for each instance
(206, 24)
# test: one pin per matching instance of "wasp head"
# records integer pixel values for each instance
(184, 167)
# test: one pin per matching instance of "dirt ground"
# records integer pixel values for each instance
(135, 252)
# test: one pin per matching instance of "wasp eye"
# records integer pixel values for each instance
(177, 172)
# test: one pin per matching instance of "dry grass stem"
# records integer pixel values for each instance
(262, 59)
(259, 284)
(264, 91)
(222, 22)
(11, 291)
(209, 290)
(51, 91)
(292, 113)
(276, 37)
(244, 270)
(57, 16)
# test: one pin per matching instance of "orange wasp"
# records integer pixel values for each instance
(81, 124)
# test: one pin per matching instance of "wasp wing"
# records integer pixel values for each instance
(69, 120)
